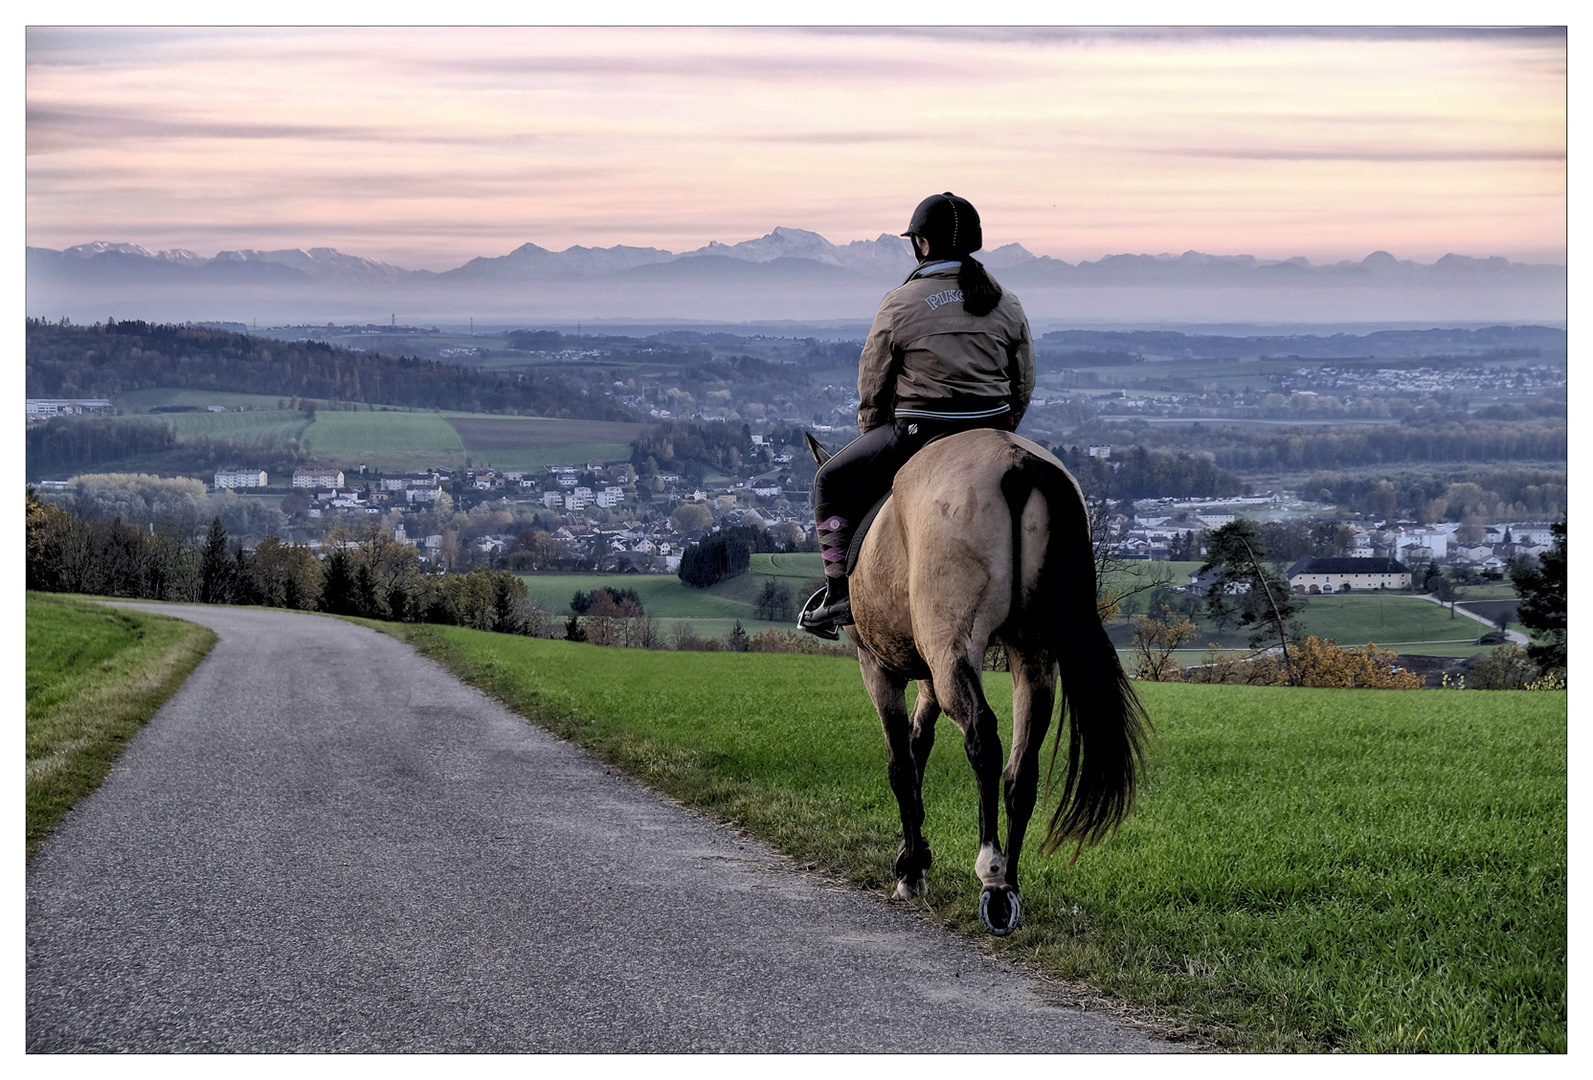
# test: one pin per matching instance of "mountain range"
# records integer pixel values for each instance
(788, 273)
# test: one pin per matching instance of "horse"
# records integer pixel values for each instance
(985, 538)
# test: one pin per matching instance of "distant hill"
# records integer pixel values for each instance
(107, 360)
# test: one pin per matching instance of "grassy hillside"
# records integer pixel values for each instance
(144, 400)
(386, 441)
(391, 441)
(664, 596)
(95, 674)
(278, 427)
(1360, 871)
(529, 442)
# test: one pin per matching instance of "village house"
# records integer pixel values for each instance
(1334, 575)
(405, 481)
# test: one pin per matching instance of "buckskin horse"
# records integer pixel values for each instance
(986, 538)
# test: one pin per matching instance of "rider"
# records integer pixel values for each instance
(949, 351)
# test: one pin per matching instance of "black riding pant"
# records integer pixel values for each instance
(848, 485)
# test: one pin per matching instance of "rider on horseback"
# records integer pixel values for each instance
(950, 350)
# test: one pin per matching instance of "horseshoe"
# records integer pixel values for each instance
(1012, 910)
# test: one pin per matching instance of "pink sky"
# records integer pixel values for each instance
(426, 147)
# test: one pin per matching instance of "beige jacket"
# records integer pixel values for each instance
(926, 356)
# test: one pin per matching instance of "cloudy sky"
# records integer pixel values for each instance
(425, 147)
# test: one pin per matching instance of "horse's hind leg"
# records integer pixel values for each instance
(964, 700)
(1033, 697)
(906, 775)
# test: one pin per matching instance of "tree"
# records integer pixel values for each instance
(339, 594)
(1445, 590)
(1324, 663)
(1118, 580)
(1155, 637)
(1542, 608)
(1245, 592)
(690, 517)
(215, 566)
(774, 602)
(1507, 667)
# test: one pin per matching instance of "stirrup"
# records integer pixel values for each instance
(821, 619)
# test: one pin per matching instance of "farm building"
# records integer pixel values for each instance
(1347, 575)
(44, 408)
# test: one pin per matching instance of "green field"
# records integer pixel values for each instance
(1398, 622)
(1395, 621)
(531, 442)
(386, 441)
(144, 400)
(1361, 871)
(711, 611)
(393, 441)
(95, 674)
(278, 427)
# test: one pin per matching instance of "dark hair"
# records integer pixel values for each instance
(980, 293)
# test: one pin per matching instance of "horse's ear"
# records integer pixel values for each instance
(816, 448)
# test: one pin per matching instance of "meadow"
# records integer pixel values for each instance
(711, 611)
(531, 442)
(1398, 622)
(95, 674)
(390, 440)
(385, 441)
(1308, 870)
(276, 427)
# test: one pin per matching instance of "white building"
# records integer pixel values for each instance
(44, 408)
(240, 478)
(317, 478)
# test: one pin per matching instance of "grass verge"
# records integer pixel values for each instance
(1308, 870)
(95, 674)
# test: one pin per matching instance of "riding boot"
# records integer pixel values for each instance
(831, 608)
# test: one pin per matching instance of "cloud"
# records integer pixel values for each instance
(1398, 154)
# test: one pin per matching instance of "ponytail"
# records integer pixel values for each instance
(980, 293)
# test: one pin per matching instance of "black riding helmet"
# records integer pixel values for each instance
(950, 224)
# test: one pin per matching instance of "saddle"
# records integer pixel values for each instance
(856, 546)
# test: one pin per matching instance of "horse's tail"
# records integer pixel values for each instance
(1107, 726)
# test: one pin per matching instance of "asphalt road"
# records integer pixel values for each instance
(324, 842)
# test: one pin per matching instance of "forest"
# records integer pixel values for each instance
(105, 360)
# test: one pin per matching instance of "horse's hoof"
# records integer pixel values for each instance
(998, 910)
(909, 887)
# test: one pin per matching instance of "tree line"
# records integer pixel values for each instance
(723, 554)
(67, 445)
(373, 577)
(112, 358)
(1143, 473)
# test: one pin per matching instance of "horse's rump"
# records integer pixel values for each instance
(987, 539)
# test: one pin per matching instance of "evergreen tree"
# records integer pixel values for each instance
(1542, 610)
(215, 566)
(338, 592)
